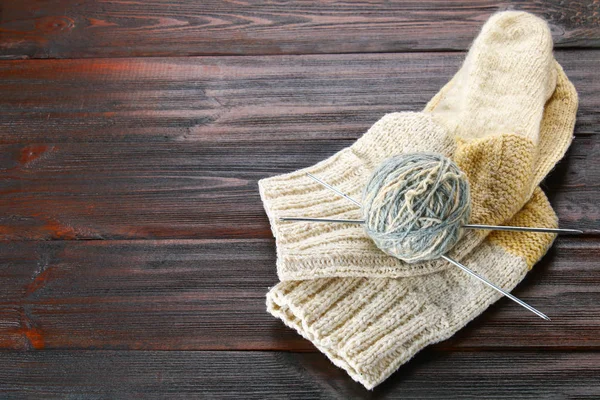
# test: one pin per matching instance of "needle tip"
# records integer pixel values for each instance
(573, 231)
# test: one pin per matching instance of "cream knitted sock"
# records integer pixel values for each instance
(503, 169)
(370, 326)
(501, 89)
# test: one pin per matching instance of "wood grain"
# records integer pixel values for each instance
(273, 375)
(197, 189)
(134, 250)
(237, 99)
(210, 295)
(76, 28)
(181, 133)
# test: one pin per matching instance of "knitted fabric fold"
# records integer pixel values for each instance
(371, 326)
(505, 118)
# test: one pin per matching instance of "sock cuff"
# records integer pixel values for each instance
(368, 327)
(371, 326)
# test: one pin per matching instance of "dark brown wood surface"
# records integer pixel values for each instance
(134, 250)
(275, 375)
(236, 99)
(136, 294)
(197, 190)
(123, 28)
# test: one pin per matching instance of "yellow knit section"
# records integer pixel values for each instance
(499, 172)
(559, 117)
(530, 246)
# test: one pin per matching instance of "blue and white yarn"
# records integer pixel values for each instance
(414, 206)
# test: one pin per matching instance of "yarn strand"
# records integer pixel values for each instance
(414, 206)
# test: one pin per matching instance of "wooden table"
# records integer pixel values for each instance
(135, 252)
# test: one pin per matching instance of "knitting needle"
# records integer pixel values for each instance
(490, 227)
(467, 270)
(496, 288)
(342, 221)
(450, 260)
(328, 186)
(468, 226)
(522, 228)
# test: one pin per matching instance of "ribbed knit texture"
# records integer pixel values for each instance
(505, 118)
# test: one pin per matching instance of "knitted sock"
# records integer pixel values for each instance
(503, 169)
(370, 326)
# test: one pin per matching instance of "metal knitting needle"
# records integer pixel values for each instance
(490, 227)
(328, 186)
(450, 260)
(522, 228)
(459, 265)
(496, 288)
(468, 226)
(342, 221)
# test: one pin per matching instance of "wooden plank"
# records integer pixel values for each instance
(272, 375)
(210, 295)
(74, 28)
(235, 98)
(197, 189)
(154, 295)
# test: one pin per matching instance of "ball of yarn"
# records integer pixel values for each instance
(414, 206)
